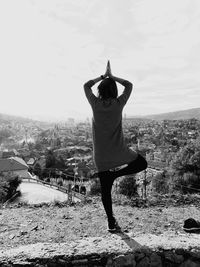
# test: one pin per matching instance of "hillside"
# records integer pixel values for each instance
(5, 118)
(176, 115)
(8, 118)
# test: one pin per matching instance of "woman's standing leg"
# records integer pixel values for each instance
(106, 188)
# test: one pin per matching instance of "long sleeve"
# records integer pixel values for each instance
(88, 92)
(123, 98)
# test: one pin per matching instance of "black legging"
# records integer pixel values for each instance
(107, 178)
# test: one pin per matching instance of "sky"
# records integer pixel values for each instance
(50, 48)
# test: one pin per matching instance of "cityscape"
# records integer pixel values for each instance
(57, 158)
(62, 152)
(82, 84)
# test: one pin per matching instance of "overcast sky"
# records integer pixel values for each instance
(49, 48)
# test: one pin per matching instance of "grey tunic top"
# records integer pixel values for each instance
(109, 147)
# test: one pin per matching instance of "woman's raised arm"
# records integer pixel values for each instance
(128, 85)
(88, 88)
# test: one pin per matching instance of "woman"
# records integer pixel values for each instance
(109, 148)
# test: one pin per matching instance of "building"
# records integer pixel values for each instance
(14, 166)
(10, 153)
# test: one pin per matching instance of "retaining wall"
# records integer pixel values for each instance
(169, 249)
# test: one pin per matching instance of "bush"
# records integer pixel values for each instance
(187, 183)
(8, 186)
(95, 187)
(37, 170)
(161, 182)
(128, 186)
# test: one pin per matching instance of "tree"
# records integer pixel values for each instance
(128, 186)
(4, 134)
(37, 170)
(161, 182)
(59, 162)
(95, 187)
(188, 158)
(38, 145)
(187, 166)
(50, 159)
(8, 186)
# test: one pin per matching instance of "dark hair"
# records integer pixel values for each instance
(108, 89)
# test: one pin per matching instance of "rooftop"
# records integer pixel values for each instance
(12, 164)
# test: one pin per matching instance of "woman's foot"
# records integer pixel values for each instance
(113, 226)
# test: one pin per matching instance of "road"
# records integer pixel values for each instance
(34, 193)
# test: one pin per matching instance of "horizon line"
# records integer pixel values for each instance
(51, 118)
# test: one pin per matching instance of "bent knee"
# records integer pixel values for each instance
(143, 162)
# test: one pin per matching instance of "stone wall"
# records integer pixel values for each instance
(119, 249)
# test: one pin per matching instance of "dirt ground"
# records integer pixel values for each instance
(54, 223)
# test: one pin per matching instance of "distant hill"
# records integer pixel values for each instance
(176, 115)
(5, 118)
(8, 118)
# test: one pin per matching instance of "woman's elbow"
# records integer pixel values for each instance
(128, 84)
(85, 86)
(88, 84)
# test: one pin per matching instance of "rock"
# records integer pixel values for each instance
(21, 264)
(130, 260)
(180, 251)
(81, 262)
(123, 260)
(158, 232)
(109, 262)
(35, 228)
(155, 260)
(62, 262)
(172, 257)
(23, 232)
(139, 256)
(144, 262)
(190, 263)
(52, 264)
(23, 225)
(66, 217)
(3, 230)
(11, 236)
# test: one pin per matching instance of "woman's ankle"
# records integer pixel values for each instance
(111, 219)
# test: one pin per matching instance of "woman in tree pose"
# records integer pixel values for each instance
(109, 148)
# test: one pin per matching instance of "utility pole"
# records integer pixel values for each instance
(145, 184)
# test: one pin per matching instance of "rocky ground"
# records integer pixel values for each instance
(30, 224)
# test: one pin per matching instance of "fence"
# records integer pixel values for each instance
(56, 187)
